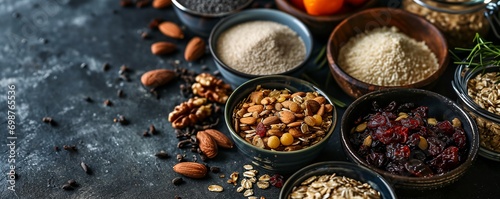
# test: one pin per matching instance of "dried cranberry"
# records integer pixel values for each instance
(446, 161)
(436, 146)
(410, 123)
(376, 121)
(459, 138)
(261, 129)
(446, 127)
(397, 152)
(276, 180)
(413, 140)
(418, 168)
(397, 134)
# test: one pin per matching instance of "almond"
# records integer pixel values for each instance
(171, 29)
(271, 120)
(194, 49)
(162, 48)
(160, 4)
(286, 117)
(158, 77)
(219, 138)
(191, 169)
(207, 144)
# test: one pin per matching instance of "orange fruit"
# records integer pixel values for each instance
(323, 7)
(298, 4)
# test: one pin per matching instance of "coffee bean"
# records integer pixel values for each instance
(67, 187)
(152, 129)
(84, 167)
(177, 181)
(162, 154)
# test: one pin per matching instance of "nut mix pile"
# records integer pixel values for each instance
(403, 140)
(333, 186)
(485, 91)
(282, 120)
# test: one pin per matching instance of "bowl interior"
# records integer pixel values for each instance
(256, 15)
(412, 25)
(346, 169)
(440, 108)
(273, 82)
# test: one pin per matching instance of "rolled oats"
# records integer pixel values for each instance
(332, 186)
(484, 90)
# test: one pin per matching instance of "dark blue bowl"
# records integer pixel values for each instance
(347, 169)
(202, 23)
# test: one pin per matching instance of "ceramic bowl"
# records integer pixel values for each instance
(440, 108)
(202, 23)
(321, 26)
(347, 169)
(282, 162)
(235, 77)
(412, 25)
(488, 122)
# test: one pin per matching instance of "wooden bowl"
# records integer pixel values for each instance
(321, 26)
(412, 25)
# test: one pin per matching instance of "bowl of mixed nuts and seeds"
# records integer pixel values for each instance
(415, 138)
(479, 94)
(335, 179)
(280, 123)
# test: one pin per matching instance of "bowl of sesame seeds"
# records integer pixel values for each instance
(260, 42)
(383, 48)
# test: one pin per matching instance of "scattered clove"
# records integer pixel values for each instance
(162, 154)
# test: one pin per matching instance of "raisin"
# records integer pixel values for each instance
(446, 127)
(418, 168)
(397, 152)
(459, 138)
(376, 159)
(376, 121)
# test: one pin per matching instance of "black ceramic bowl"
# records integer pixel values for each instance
(440, 108)
(347, 169)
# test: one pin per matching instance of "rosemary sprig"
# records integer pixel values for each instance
(483, 54)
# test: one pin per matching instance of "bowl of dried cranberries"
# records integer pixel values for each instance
(415, 138)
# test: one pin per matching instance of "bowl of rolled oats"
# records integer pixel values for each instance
(336, 179)
(479, 94)
(280, 123)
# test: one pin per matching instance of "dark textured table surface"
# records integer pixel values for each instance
(53, 53)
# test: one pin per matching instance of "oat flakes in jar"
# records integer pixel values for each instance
(458, 20)
(478, 94)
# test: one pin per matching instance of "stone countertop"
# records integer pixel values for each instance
(53, 53)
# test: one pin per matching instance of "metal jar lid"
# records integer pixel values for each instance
(490, 8)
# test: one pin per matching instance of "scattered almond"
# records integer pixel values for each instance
(191, 169)
(158, 77)
(219, 138)
(207, 144)
(171, 29)
(160, 4)
(162, 48)
(194, 49)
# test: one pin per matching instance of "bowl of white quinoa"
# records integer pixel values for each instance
(259, 42)
(382, 48)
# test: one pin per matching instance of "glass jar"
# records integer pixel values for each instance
(458, 20)
(488, 123)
